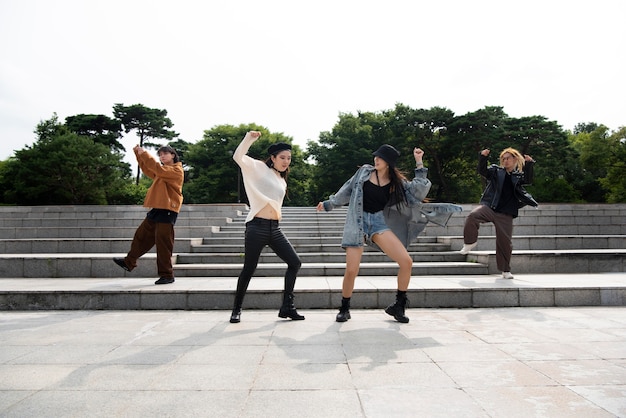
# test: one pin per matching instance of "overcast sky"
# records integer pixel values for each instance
(294, 66)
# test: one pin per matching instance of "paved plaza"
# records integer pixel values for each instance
(481, 362)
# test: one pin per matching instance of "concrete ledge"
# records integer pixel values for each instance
(557, 261)
(523, 262)
(543, 242)
(314, 293)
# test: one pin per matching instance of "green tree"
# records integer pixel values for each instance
(150, 124)
(215, 178)
(585, 127)
(615, 179)
(5, 181)
(451, 144)
(100, 128)
(340, 152)
(354, 138)
(429, 130)
(181, 146)
(593, 150)
(547, 143)
(63, 168)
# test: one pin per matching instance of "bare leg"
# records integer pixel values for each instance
(353, 262)
(391, 245)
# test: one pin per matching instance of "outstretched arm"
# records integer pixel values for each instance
(417, 189)
(241, 153)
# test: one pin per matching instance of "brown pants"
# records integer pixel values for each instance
(146, 236)
(503, 224)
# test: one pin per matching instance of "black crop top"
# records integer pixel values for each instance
(375, 198)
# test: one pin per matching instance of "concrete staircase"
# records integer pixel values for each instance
(78, 242)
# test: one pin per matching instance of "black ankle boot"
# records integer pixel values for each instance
(397, 309)
(235, 317)
(344, 311)
(288, 310)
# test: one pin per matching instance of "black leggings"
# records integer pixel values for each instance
(259, 233)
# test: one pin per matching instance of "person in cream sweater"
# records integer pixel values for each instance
(265, 184)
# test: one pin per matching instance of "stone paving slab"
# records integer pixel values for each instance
(504, 362)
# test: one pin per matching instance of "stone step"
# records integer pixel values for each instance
(479, 291)
(90, 231)
(549, 214)
(106, 223)
(315, 257)
(205, 231)
(203, 245)
(305, 244)
(94, 232)
(543, 242)
(270, 269)
(181, 245)
(216, 230)
(213, 235)
(82, 245)
(572, 219)
(557, 261)
(101, 265)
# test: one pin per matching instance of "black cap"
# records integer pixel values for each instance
(388, 153)
(278, 147)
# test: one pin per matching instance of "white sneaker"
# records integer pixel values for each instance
(468, 247)
(507, 275)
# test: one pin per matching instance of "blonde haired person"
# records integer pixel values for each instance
(503, 196)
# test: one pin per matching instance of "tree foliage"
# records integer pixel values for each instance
(149, 123)
(100, 128)
(451, 144)
(80, 161)
(63, 168)
(215, 178)
(612, 162)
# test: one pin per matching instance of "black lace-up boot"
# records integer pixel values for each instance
(288, 310)
(397, 309)
(344, 311)
(235, 316)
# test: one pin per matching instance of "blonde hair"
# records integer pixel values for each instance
(519, 164)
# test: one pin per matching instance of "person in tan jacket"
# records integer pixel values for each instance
(165, 198)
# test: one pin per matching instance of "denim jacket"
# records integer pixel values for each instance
(406, 223)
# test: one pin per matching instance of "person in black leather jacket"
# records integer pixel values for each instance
(500, 202)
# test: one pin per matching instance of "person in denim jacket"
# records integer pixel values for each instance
(376, 195)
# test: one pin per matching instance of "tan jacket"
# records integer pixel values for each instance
(166, 191)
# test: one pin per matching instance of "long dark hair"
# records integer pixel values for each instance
(396, 191)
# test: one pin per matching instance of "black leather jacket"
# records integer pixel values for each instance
(494, 175)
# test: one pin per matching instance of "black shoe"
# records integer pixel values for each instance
(397, 311)
(343, 316)
(287, 312)
(120, 262)
(344, 310)
(235, 317)
(165, 280)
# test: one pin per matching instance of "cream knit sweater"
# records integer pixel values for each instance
(263, 185)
